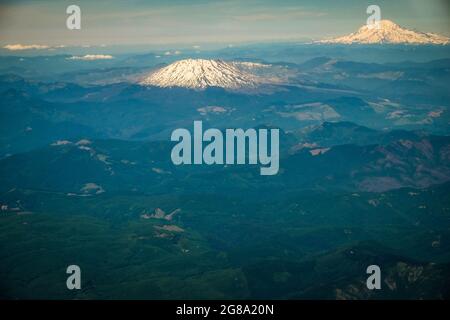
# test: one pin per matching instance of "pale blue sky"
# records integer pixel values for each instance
(203, 21)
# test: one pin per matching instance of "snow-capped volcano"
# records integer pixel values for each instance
(389, 32)
(202, 73)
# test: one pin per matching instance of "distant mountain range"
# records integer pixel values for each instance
(86, 174)
(389, 32)
(407, 95)
(374, 161)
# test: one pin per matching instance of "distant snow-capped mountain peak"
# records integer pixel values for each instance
(203, 73)
(389, 32)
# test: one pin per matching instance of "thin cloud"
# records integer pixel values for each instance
(279, 14)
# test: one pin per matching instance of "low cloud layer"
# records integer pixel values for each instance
(90, 57)
(19, 47)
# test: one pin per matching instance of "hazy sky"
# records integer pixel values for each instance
(203, 21)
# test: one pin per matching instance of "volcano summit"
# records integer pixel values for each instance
(389, 32)
(203, 73)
